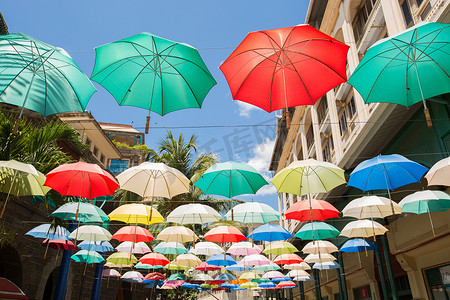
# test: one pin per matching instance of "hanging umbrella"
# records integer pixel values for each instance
(280, 279)
(224, 234)
(154, 276)
(301, 266)
(285, 67)
(178, 234)
(386, 172)
(304, 177)
(132, 276)
(135, 248)
(177, 276)
(121, 259)
(317, 230)
(287, 259)
(89, 257)
(110, 273)
(318, 247)
(255, 260)
(297, 273)
(269, 233)
(279, 247)
(173, 267)
(319, 258)
(305, 278)
(249, 276)
(59, 244)
(228, 285)
(371, 207)
(406, 68)
(154, 259)
(329, 265)
(152, 73)
(187, 260)
(136, 213)
(47, 231)
(140, 265)
(193, 213)
(221, 260)
(253, 212)
(357, 245)
(113, 265)
(90, 233)
(238, 267)
(266, 285)
(249, 285)
(99, 246)
(425, 202)
(151, 180)
(206, 267)
(170, 248)
(48, 77)
(287, 284)
(273, 274)
(312, 210)
(363, 228)
(20, 179)
(243, 249)
(134, 234)
(201, 277)
(206, 248)
(80, 211)
(269, 267)
(439, 173)
(81, 179)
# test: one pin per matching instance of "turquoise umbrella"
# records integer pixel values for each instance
(80, 211)
(89, 257)
(41, 77)
(153, 73)
(170, 248)
(406, 68)
(318, 231)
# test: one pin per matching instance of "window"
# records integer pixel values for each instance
(351, 108)
(362, 293)
(310, 138)
(118, 166)
(88, 142)
(95, 151)
(438, 282)
(322, 110)
(361, 17)
(407, 13)
(343, 122)
(102, 158)
(419, 2)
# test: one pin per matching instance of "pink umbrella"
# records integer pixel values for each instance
(173, 283)
(135, 248)
(286, 284)
(206, 267)
(288, 259)
(244, 248)
(110, 273)
(273, 274)
(255, 260)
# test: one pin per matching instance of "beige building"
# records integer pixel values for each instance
(342, 129)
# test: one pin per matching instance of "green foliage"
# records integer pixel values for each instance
(7, 235)
(142, 147)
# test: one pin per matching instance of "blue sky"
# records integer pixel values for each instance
(213, 27)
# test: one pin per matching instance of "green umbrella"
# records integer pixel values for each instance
(40, 77)
(270, 267)
(406, 68)
(152, 73)
(177, 276)
(317, 230)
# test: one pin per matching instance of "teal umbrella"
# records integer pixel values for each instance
(89, 257)
(153, 73)
(41, 77)
(406, 68)
(170, 248)
(80, 211)
(317, 231)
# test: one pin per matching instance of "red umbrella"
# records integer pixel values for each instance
(154, 276)
(133, 234)
(285, 67)
(316, 210)
(205, 267)
(286, 284)
(8, 290)
(154, 259)
(59, 244)
(224, 234)
(81, 180)
(287, 259)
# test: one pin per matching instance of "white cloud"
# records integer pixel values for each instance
(261, 161)
(245, 108)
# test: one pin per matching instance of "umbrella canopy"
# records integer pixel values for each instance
(363, 228)
(269, 233)
(136, 213)
(280, 279)
(386, 172)
(187, 260)
(221, 260)
(297, 273)
(228, 285)
(90, 233)
(238, 267)
(121, 259)
(266, 285)
(80, 211)
(406, 68)
(224, 234)
(193, 213)
(253, 212)
(371, 207)
(48, 231)
(178, 234)
(439, 173)
(206, 248)
(329, 265)
(89, 257)
(152, 73)
(81, 179)
(110, 273)
(8, 290)
(273, 274)
(357, 245)
(255, 260)
(118, 265)
(201, 277)
(309, 176)
(177, 276)
(174, 267)
(319, 247)
(151, 180)
(287, 259)
(132, 275)
(230, 179)
(425, 201)
(312, 210)
(269, 267)
(278, 68)
(249, 285)
(170, 248)
(154, 259)
(318, 231)
(59, 244)
(303, 278)
(44, 74)
(140, 265)
(287, 284)
(243, 249)
(135, 248)
(279, 247)
(100, 246)
(319, 258)
(134, 234)
(301, 266)
(205, 267)
(155, 276)
(249, 276)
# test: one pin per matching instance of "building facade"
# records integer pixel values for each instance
(340, 128)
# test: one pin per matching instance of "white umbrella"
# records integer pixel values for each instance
(179, 234)
(186, 260)
(206, 248)
(301, 266)
(135, 248)
(371, 207)
(319, 247)
(91, 233)
(439, 174)
(297, 273)
(244, 248)
(253, 212)
(133, 276)
(201, 277)
(273, 274)
(363, 228)
(319, 258)
(255, 260)
(193, 213)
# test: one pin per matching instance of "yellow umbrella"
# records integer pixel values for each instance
(249, 276)
(121, 259)
(319, 247)
(136, 213)
(174, 267)
(279, 247)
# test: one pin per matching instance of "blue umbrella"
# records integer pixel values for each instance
(99, 246)
(221, 260)
(45, 231)
(267, 285)
(357, 245)
(238, 267)
(237, 289)
(326, 265)
(270, 233)
(225, 277)
(228, 285)
(279, 279)
(188, 285)
(386, 172)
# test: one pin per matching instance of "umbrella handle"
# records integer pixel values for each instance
(427, 116)
(7, 197)
(147, 123)
(288, 119)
